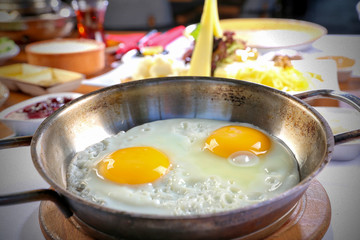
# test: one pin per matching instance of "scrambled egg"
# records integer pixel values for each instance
(266, 73)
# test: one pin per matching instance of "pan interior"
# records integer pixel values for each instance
(103, 113)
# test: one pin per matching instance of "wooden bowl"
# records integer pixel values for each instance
(85, 56)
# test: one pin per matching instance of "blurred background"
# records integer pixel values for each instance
(338, 16)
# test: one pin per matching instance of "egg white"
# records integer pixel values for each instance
(197, 182)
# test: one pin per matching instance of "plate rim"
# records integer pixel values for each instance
(321, 30)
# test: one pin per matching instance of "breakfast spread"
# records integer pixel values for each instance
(183, 167)
(218, 53)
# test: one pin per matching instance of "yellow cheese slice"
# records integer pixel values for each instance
(200, 64)
(217, 28)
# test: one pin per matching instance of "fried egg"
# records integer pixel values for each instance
(184, 167)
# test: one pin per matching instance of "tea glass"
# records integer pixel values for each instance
(90, 16)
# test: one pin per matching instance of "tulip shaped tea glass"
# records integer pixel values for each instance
(90, 16)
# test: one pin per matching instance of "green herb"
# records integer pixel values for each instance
(196, 31)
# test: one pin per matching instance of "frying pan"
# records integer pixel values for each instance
(103, 113)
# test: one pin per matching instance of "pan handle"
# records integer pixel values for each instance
(15, 142)
(37, 195)
(345, 97)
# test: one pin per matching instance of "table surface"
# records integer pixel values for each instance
(340, 178)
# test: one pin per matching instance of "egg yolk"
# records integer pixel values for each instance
(230, 139)
(134, 165)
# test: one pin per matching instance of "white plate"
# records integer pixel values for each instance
(28, 127)
(10, 54)
(325, 68)
(267, 34)
(343, 120)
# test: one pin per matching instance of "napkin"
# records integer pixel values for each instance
(138, 40)
(165, 38)
(125, 42)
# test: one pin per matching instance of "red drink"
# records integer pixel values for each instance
(90, 15)
(90, 23)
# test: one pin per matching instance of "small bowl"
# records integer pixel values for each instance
(344, 66)
(28, 126)
(4, 93)
(10, 54)
(343, 119)
(84, 56)
(26, 21)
